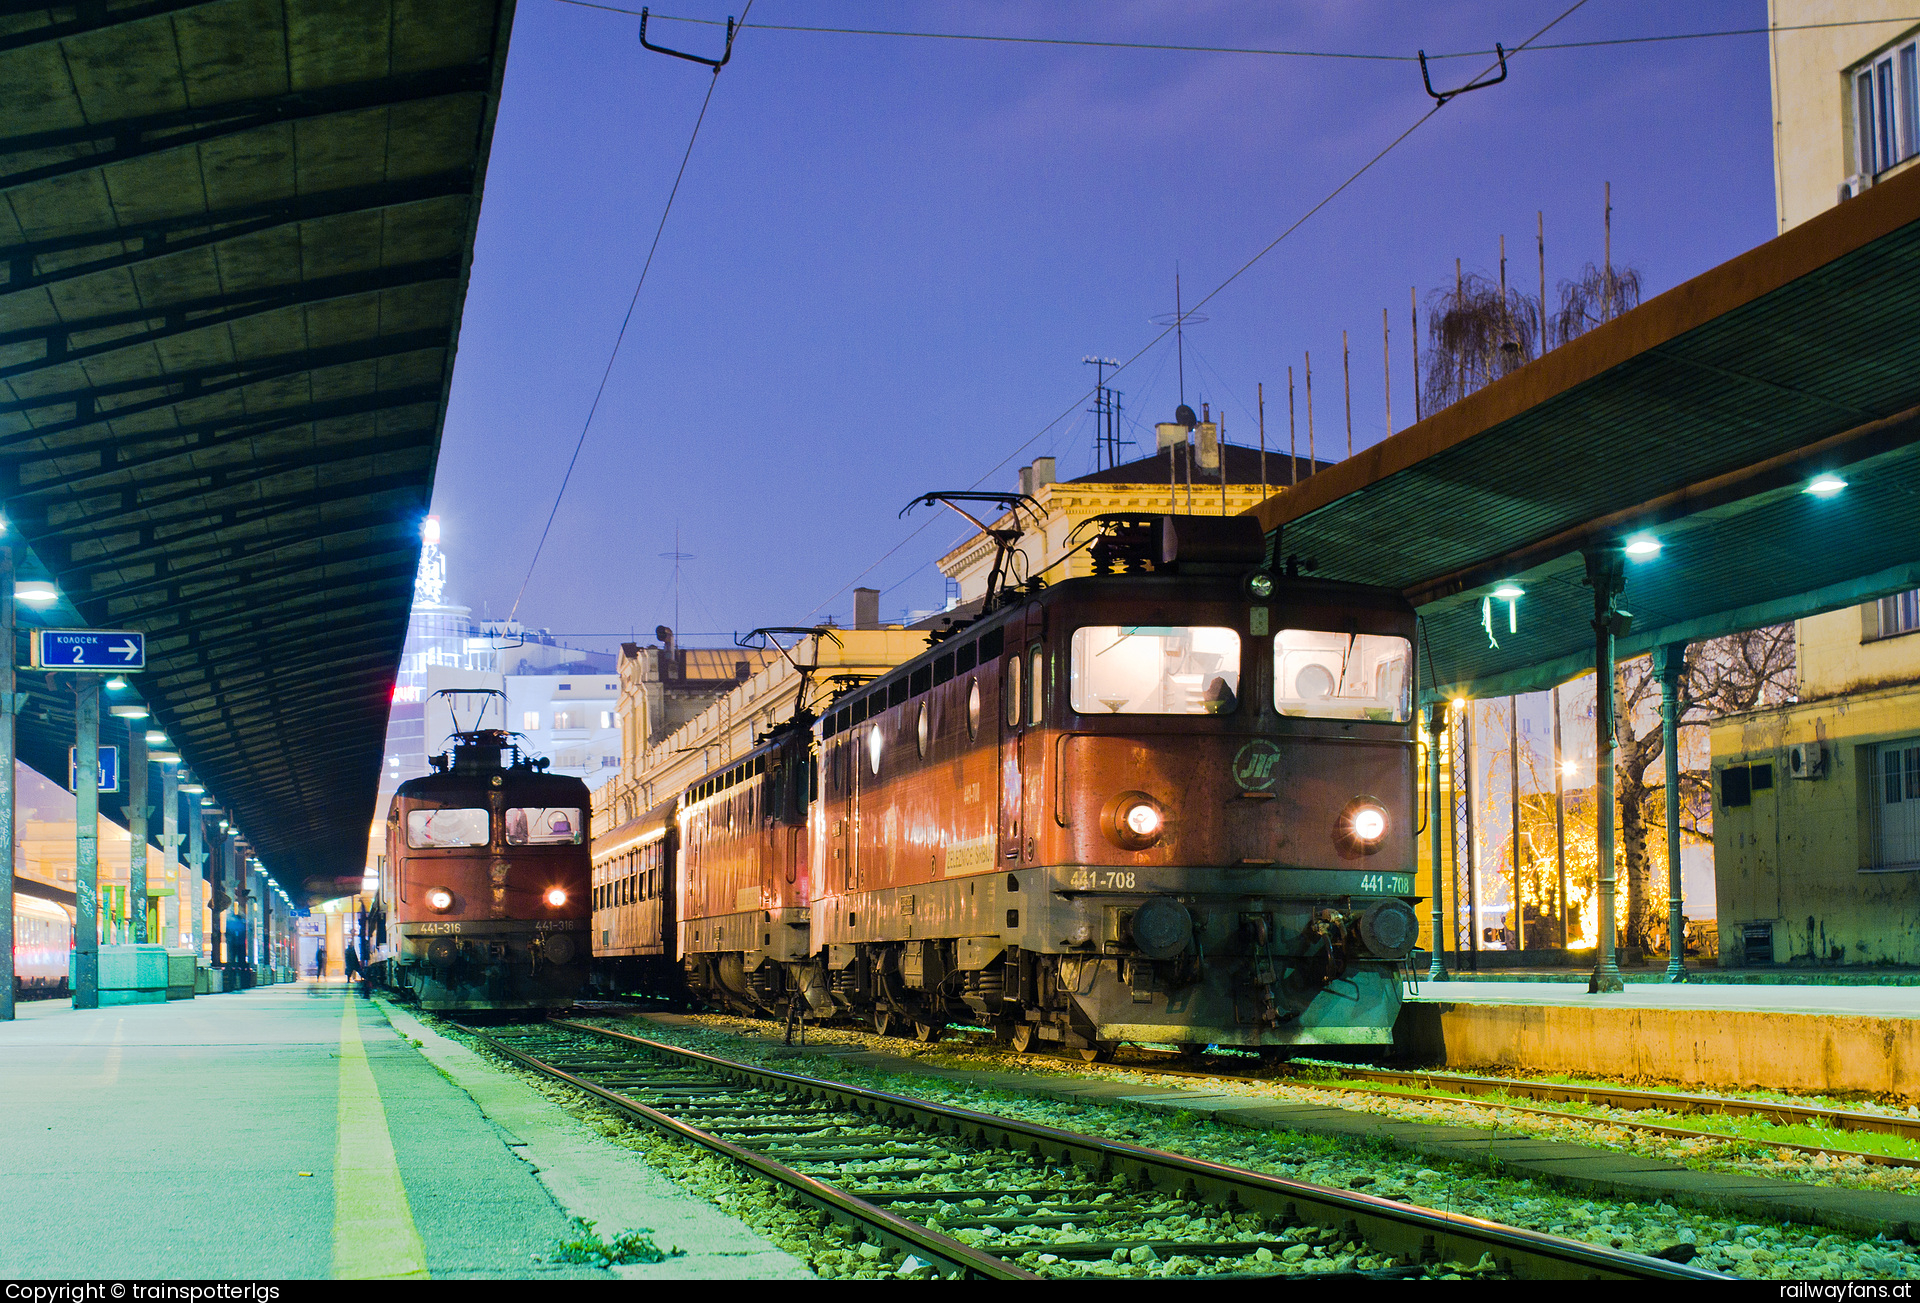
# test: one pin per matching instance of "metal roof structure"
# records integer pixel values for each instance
(1697, 420)
(235, 236)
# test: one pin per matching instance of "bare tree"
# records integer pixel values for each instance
(1598, 294)
(1724, 676)
(1477, 334)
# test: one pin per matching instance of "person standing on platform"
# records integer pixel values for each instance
(350, 962)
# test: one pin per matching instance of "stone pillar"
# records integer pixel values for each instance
(86, 842)
(137, 812)
(9, 711)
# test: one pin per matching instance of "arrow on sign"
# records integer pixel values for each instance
(126, 649)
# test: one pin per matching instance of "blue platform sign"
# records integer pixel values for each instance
(109, 768)
(105, 650)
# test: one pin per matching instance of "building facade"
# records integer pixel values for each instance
(683, 711)
(1816, 831)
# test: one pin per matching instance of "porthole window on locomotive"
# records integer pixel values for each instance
(1140, 669)
(1013, 690)
(1324, 675)
(920, 729)
(973, 708)
(874, 744)
(1036, 687)
(557, 825)
(427, 829)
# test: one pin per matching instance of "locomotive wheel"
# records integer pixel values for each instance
(1022, 1037)
(882, 1019)
(927, 1033)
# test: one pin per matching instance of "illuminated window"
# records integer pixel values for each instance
(606, 719)
(1139, 669)
(1324, 675)
(530, 720)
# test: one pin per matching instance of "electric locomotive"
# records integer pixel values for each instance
(1170, 803)
(484, 897)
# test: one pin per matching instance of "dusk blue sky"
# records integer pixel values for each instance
(889, 256)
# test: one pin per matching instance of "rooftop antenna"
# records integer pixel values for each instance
(1106, 412)
(1178, 319)
(676, 556)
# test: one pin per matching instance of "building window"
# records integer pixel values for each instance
(564, 687)
(1886, 109)
(1738, 783)
(530, 720)
(566, 719)
(609, 762)
(606, 719)
(1897, 614)
(1893, 820)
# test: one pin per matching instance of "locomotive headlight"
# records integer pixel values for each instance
(557, 897)
(440, 900)
(1363, 825)
(1133, 821)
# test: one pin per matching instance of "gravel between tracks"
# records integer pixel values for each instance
(1762, 1251)
(833, 1252)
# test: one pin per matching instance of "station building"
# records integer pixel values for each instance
(1817, 802)
(1194, 475)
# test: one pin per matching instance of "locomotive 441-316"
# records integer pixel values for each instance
(484, 897)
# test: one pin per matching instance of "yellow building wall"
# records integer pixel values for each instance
(1812, 118)
(1839, 652)
(1795, 856)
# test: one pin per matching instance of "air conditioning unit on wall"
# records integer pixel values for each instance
(1807, 760)
(1854, 186)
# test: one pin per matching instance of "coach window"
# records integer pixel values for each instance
(1013, 690)
(1037, 686)
(427, 829)
(1324, 675)
(1138, 669)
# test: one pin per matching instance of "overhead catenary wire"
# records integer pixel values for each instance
(1366, 167)
(632, 303)
(1360, 56)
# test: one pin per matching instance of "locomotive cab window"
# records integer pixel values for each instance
(1138, 669)
(1323, 675)
(549, 826)
(427, 829)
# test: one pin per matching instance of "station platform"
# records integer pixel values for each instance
(1821, 1040)
(290, 1132)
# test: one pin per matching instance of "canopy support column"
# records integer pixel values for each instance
(1436, 724)
(86, 842)
(1671, 662)
(1606, 576)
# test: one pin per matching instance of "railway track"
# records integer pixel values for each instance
(968, 1194)
(1449, 1088)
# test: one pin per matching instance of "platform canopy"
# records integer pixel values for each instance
(1698, 420)
(234, 242)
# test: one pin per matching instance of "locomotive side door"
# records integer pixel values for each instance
(1017, 722)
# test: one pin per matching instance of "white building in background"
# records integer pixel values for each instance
(447, 649)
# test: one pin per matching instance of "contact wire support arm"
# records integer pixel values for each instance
(715, 64)
(1439, 96)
